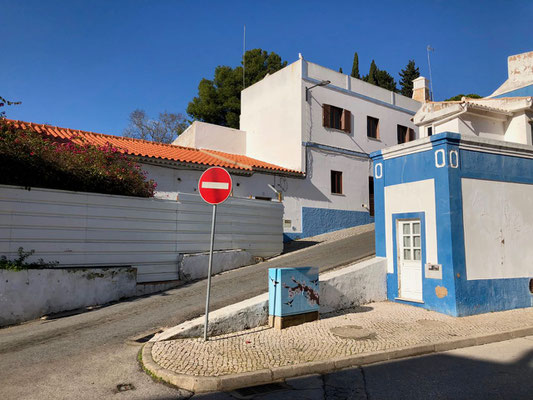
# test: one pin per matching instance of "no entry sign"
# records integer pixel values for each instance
(215, 185)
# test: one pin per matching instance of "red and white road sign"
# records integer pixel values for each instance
(215, 185)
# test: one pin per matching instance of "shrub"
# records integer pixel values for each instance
(29, 159)
(19, 263)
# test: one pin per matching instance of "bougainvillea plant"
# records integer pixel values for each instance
(29, 159)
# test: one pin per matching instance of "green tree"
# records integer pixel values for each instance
(355, 66)
(380, 78)
(340, 70)
(372, 74)
(460, 96)
(164, 130)
(408, 74)
(219, 100)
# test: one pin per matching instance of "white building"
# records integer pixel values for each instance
(504, 115)
(327, 132)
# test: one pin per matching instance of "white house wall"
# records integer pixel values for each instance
(357, 140)
(498, 227)
(312, 198)
(271, 117)
(171, 181)
(201, 135)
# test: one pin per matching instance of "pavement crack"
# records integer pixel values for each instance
(367, 395)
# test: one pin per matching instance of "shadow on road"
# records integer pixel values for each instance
(437, 376)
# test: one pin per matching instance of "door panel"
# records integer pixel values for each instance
(409, 260)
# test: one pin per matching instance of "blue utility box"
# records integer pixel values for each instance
(293, 296)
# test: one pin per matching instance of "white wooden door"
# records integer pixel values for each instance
(410, 260)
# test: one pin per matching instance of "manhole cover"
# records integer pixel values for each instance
(430, 323)
(353, 332)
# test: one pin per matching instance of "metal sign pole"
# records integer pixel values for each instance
(209, 271)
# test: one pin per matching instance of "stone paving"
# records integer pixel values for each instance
(386, 326)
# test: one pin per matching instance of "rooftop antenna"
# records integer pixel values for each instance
(243, 60)
(429, 48)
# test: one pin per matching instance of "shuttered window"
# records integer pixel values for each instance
(336, 118)
(405, 134)
(372, 127)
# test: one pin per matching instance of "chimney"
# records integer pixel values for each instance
(520, 67)
(421, 89)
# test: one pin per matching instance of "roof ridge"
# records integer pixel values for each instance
(226, 159)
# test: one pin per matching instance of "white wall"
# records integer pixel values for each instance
(32, 293)
(271, 117)
(518, 129)
(89, 229)
(201, 135)
(244, 186)
(411, 197)
(498, 228)
(318, 72)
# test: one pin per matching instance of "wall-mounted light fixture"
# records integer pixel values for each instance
(307, 89)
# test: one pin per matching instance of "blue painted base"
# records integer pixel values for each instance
(316, 221)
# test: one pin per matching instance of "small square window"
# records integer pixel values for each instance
(430, 130)
(336, 182)
(372, 127)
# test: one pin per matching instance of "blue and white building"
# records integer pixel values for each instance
(454, 209)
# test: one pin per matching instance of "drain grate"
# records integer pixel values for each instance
(250, 392)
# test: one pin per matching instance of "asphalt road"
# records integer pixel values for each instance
(86, 356)
(496, 371)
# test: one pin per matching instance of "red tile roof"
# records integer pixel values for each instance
(160, 151)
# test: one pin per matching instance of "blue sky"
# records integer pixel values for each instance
(88, 64)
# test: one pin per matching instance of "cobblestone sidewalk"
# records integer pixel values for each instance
(371, 328)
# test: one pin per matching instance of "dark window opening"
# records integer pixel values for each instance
(336, 182)
(430, 130)
(372, 127)
(405, 134)
(371, 195)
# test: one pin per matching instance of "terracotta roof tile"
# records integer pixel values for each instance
(144, 148)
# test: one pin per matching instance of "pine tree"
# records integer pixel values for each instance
(408, 74)
(355, 66)
(372, 74)
(340, 70)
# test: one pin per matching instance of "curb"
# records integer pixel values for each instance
(201, 384)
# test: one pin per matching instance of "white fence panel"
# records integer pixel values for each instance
(90, 229)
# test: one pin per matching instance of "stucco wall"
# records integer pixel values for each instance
(498, 227)
(271, 117)
(29, 294)
(201, 135)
